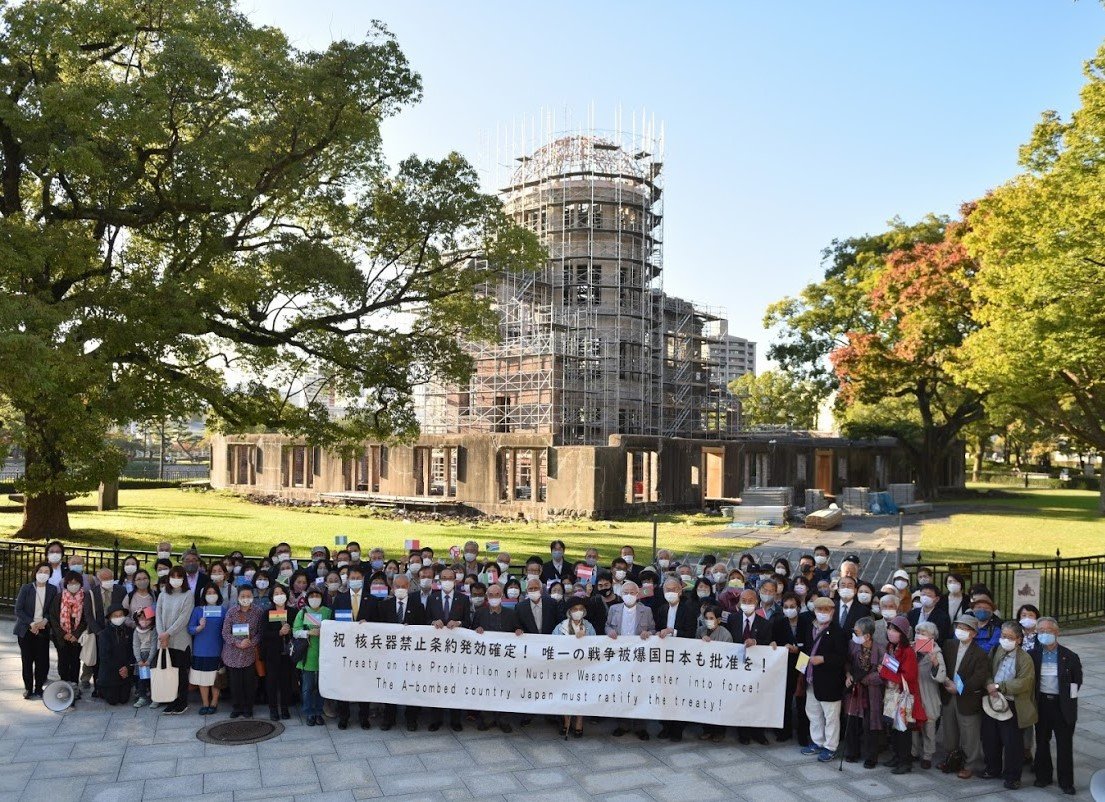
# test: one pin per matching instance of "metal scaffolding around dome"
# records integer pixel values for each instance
(590, 345)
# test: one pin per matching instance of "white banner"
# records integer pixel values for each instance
(676, 679)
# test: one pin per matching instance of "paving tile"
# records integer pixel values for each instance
(601, 782)
(414, 783)
(60, 789)
(113, 792)
(75, 767)
(148, 769)
(223, 781)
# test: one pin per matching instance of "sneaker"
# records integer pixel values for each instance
(812, 749)
(141, 701)
(155, 705)
(825, 756)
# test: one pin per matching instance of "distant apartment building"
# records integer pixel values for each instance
(730, 356)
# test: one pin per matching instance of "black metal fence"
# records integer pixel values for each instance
(19, 558)
(1070, 589)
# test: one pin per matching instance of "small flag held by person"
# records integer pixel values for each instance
(492, 545)
(411, 544)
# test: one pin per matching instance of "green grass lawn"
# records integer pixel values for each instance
(218, 523)
(1032, 524)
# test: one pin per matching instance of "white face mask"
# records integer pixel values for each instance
(962, 635)
(858, 639)
(447, 585)
(495, 601)
(671, 597)
(711, 623)
(800, 590)
(212, 598)
(400, 594)
(790, 612)
(54, 557)
(425, 583)
(469, 556)
(534, 595)
(162, 572)
(279, 599)
(218, 578)
(503, 567)
(163, 555)
(864, 598)
(847, 594)
(767, 598)
(954, 588)
(901, 584)
(702, 594)
(628, 559)
(314, 602)
(118, 620)
(42, 578)
(820, 559)
(577, 615)
(353, 555)
(888, 614)
(130, 570)
(557, 596)
(73, 588)
(245, 602)
(823, 618)
(629, 599)
(748, 609)
(663, 563)
(619, 575)
(262, 584)
(1007, 644)
(176, 581)
(1028, 623)
(513, 593)
(928, 602)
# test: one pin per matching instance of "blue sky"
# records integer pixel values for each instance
(787, 123)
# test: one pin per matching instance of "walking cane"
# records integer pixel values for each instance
(844, 739)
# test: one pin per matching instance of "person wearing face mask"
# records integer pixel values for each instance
(600, 602)
(161, 570)
(32, 629)
(702, 594)
(276, 636)
(448, 608)
(68, 623)
(130, 568)
(931, 673)
(205, 627)
(954, 603)
(630, 618)
(711, 629)
(769, 594)
(664, 562)
(823, 569)
(989, 624)
(968, 670)
(848, 608)
(824, 676)
(113, 658)
(355, 604)
(900, 580)
(493, 617)
(1058, 682)
(220, 577)
(575, 625)
(538, 613)
(165, 550)
(144, 644)
(196, 577)
(174, 610)
(902, 675)
(676, 617)
(55, 558)
(425, 586)
(262, 591)
(629, 557)
(651, 593)
(1010, 706)
(788, 630)
(308, 625)
(888, 611)
(513, 593)
(102, 594)
(557, 568)
(619, 570)
(401, 607)
(930, 611)
(751, 628)
(863, 696)
(239, 654)
(142, 596)
(1027, 616)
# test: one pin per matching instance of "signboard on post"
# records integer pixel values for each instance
(671, 679)
(1026, 589)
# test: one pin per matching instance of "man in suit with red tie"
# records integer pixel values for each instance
(402, 607)
(752, 629)
(447, 608)
(362, 607)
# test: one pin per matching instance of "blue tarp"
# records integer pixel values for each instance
(883, 504)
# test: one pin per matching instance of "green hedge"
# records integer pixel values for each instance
(124, 484)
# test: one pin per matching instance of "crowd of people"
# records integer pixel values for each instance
(908, 671)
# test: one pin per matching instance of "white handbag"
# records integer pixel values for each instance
(88, 648)
(164, 678)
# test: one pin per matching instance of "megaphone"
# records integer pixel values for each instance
(58, 696)
(1097, 786)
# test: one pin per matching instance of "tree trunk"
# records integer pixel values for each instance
(161, 451)
(45, 517)
(976, 472)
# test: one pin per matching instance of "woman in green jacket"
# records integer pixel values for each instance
(1013, 677)
(307, 625)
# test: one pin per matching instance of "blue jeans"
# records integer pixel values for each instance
(312, 701)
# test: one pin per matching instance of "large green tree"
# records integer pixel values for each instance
(186, 197)
(882, 329)
(776, 398)
(1041, 286)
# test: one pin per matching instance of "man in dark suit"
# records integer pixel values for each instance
(752, 629)
(493, 617)
(1058, 680)
(634, 571)
(676, 617)
(361, 607)
(539, 612)
(557, 568)
(825, 681)
(961, 714)
(32, 629)
(931, 611)
(447, 608)
(402, 607)
(99, 597)
(195, 576)
(848, 609)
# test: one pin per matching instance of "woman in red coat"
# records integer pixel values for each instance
(899, 672)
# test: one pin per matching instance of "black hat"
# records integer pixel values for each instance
(115, 608)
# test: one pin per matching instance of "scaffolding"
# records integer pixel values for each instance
(589, 344)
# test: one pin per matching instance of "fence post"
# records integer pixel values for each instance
(1058, 585)
(115, 558)
(992, 582)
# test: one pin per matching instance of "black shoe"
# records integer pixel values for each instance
(760, 739)
(1012, 785)
(412, 726)
(902, 768)
(284, 714)
(366, 724)
(456, 726)
(274, 716)
(310, 721)
(870, 764)
(851, 758)
(1042, 783)
(744, 740)
(343, 723)
(235, 714)
(782, 737)
(320, 721)
(28, 695)
(505, 727)
(483, 726)
(619, 732)
(1069, 790)
(676, 737)
(988, 776)
(892, 763)
(642, 734)
(435, 726)
(663, 734)
(385, 726)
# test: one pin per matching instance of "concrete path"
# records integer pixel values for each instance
(101, 753)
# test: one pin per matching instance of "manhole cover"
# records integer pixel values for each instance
(245, 731)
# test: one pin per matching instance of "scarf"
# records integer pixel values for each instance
(72, 610)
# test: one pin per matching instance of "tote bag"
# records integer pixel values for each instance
(164, 678)
(88, 648)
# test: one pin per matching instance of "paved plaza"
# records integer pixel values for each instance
(101, 753)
